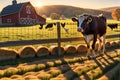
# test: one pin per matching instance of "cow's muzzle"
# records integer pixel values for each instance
(80, 30)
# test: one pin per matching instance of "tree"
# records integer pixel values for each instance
(116, 14)
(54, 16)
(62, 17)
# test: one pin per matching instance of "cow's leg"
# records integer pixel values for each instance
(104, 37)
(88, 46)
(99, 45)
(93, 46)
(88, 38)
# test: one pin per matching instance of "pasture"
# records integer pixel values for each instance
(31, 63)
(15, 33)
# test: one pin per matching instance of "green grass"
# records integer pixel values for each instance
(34, 33)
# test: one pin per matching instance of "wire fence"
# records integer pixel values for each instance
(35, 35)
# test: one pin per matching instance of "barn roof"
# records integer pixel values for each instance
(11, 9)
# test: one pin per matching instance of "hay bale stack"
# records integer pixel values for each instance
(70, 49)
(113, 43)
(81, 48)
(107, 44)
(7, 54)
(27, 51)
(42, 51)
(54, 50)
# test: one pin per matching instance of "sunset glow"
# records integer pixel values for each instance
(38, 4)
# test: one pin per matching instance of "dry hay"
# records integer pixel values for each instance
(54, 50)
(109, 75)
(42, 51)
(107, 44)
(29, 73)
(70, 49)
(42, 75)
(31, 77)
(118, 42)
(113, 43)
(58, 79)
(27, 51)
(81, 48)
(16, 76)
(7, 54)
(5, 78)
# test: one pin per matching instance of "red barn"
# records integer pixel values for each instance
(20, 14)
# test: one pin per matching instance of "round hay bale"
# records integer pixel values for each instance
(27, 51)
(54, 50)
(118, 42)
(70, 49)
(81, 48)
(5, 78)
(31, 77)
(42, 51)
(113, 43)
(107, 44)
(7, 54)
(16, 76)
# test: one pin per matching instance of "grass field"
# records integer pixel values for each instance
(34, 33)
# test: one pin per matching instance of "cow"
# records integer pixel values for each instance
(92, 28)
(41, 26)
(63, 26)
(50, 25)
(112, 26)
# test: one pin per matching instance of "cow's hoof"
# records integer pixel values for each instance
(93, 57)
(88, 57)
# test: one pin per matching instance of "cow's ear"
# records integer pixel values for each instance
(89, 20)
(74, 19)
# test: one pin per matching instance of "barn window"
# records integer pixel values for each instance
(28, 10)
(8, 20)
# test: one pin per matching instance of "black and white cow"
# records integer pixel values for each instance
(92, 28)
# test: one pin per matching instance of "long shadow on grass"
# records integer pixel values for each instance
(67, 71)
(108, 67)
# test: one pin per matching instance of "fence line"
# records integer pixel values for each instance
(56, 39)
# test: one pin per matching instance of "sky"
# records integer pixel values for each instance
(92, 4)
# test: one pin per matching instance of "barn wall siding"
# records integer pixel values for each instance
(12, 17)
(22, 17)
(26, 18)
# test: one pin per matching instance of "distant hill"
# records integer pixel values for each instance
(69, 11)
(109, 9)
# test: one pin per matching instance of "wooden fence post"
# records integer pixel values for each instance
(59, 38)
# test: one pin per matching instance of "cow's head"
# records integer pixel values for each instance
(82, 22)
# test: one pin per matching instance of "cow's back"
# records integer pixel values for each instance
(101, 25)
